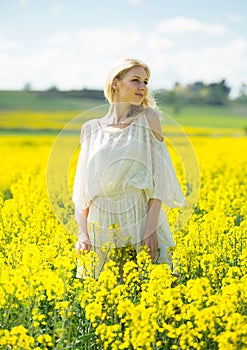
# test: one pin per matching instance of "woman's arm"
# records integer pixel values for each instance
(150, 238)
(83, 233)
(83, 242)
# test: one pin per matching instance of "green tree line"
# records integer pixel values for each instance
(216, 93)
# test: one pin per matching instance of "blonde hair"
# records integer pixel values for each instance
(118, 71)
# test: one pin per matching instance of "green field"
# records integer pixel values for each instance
(209, 116)
(48, 113)
(35, 101)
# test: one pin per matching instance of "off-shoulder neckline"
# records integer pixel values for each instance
(119, 130)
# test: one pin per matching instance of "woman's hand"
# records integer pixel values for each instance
(151, 241)
(83, 245)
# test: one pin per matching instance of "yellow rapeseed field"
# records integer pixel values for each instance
(134, 304)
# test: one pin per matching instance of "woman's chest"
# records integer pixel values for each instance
(131, 143)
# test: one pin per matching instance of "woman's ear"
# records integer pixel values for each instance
(115, 84)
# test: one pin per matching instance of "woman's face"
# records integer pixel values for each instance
(132, 88)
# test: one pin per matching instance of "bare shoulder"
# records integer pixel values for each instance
(153, 117)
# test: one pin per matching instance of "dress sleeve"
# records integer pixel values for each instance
(165, 183)
(80, 195)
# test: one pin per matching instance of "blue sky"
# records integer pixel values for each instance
(73, 43)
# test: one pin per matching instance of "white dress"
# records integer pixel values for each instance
(118, 172)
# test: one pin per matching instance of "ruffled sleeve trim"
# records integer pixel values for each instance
(166, 186)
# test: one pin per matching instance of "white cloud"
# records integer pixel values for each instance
(59, 38)
(155, 41)
(234, 18)
(83, 58)
(9, 44)
(183, 25)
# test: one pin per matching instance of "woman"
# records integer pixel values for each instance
(124, 170)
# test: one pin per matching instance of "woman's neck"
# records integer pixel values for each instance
(120, 112)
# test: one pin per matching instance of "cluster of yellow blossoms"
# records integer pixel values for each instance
(136, 304)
